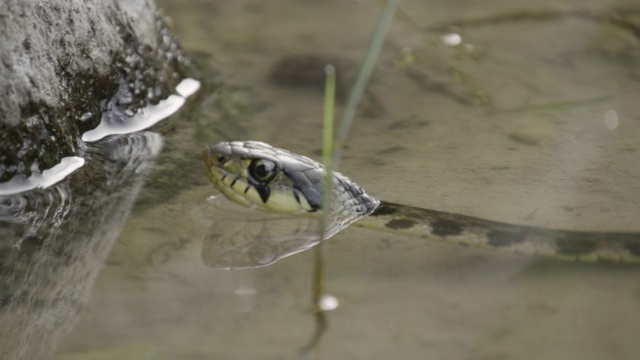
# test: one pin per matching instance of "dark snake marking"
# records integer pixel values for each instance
(568, 246)
(633, 247)
(446, 227)
(400, 224)
(499, 238)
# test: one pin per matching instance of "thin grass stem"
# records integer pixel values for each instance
(364, 73)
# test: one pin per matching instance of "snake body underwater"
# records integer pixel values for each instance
(255, 174)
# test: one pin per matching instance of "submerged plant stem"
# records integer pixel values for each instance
(318, 268)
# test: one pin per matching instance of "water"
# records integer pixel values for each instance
(527, 122)
(55, 241)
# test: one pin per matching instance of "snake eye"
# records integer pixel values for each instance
(262, 171)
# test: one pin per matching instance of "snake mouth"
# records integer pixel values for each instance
(212, 159)
(224, 180)
(213, 168)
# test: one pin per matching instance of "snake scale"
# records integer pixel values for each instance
(255, 174)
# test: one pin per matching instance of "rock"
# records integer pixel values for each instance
(64, 66)
(60, 63)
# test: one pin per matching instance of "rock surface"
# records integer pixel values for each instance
(64, 65)
(60, 63)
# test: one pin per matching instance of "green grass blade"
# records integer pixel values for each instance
(364, 73)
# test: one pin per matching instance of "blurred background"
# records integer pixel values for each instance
(512, 111)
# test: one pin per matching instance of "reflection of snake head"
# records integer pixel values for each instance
(253, 173)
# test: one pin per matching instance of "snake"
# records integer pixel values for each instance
(257, 175)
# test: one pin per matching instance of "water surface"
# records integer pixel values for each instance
(528, 120)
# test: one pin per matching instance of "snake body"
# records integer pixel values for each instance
(259, 175)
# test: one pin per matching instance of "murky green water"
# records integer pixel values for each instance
(527, 121)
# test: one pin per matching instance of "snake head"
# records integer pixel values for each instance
(255, 174)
